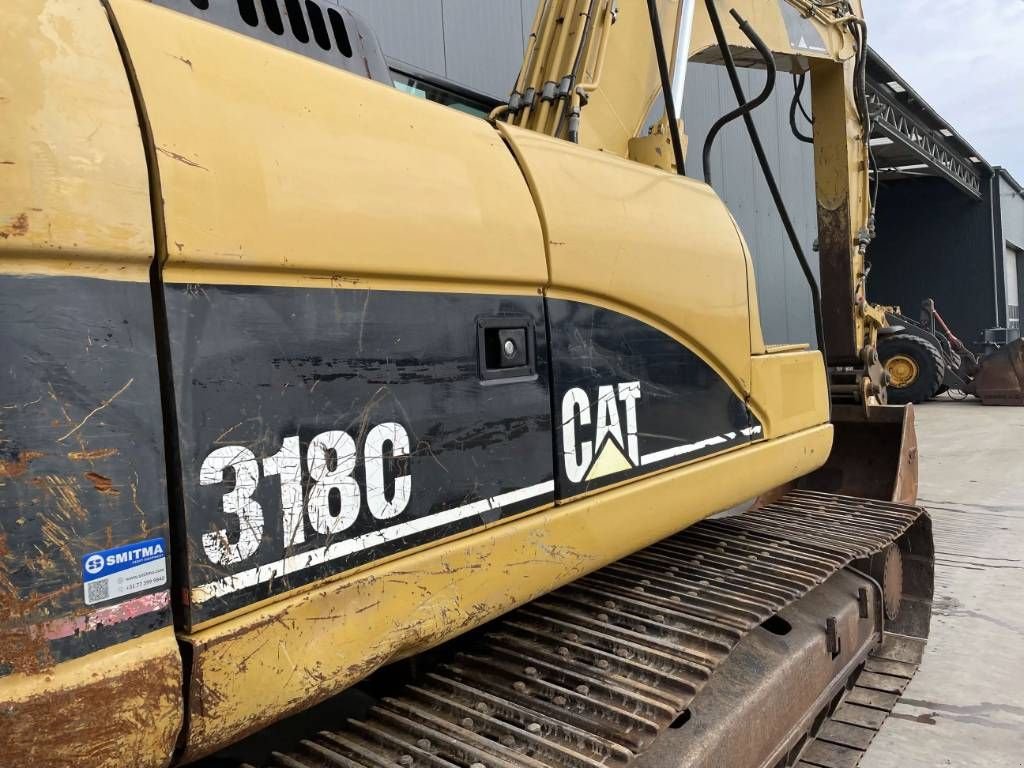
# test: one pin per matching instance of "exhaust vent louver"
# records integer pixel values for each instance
(320, 29)
(297, 21)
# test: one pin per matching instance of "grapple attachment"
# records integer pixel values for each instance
(1000, 379)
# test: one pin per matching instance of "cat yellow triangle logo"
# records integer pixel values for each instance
(609, 462)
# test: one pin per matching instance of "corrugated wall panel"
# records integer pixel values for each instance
(1012, 287)
(1011, 208)
(1011, 218)
(1020, 286)
(529, 11)
(409, 32)
(484, 44)
(786, 314)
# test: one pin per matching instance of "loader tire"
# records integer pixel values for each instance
(915, 366)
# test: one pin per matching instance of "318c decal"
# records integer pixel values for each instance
(329, 463)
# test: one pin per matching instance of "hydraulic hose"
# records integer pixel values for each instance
(796, 104)
(666, 87)
(762, 158)
(745, 108)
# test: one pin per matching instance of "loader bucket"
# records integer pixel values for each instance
(874, 455)
(1000, 379)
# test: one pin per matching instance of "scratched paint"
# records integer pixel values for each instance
(632, 400)
(317, 417)
(81, 460)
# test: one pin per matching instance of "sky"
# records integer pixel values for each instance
(966, 59)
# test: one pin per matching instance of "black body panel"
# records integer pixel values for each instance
(81, 466)
(255, 368)
(661, 404)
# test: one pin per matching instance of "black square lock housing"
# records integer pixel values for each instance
(506, 347)
(512, 346)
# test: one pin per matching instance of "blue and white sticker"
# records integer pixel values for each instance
(125, 570)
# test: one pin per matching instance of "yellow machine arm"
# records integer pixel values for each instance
(588, 77)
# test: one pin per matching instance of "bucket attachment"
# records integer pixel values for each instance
(874, 455)
(1000, 379)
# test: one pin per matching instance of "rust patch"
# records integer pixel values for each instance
(4, 549)
(143, 700)
(181, 158)
(17, 228)
(24, 650)
(13, 606)
(12, 469)
(42, 563)
(102, 484)
(101, 453)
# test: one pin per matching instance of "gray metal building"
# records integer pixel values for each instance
(1011, 226)
(950, 226)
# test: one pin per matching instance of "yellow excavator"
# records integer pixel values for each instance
(314, 393)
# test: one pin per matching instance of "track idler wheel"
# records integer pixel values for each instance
(887, 570)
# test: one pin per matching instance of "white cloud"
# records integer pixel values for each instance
(966, 59)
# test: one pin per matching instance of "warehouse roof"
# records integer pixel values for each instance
(910, 139)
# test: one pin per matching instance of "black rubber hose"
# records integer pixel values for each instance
(666, 87)
(795, 104)
(860, 82)
(802, 81)
(744, 109)
(762, 158)
(861, 94)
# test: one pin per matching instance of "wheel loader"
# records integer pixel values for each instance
(924, 358)
(312, 388)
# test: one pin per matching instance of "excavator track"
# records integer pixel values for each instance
(590, 674)
(846, 734)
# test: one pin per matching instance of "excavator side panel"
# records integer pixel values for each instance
(90, 671)
(356, 486)
(337, 255)
(649, 316)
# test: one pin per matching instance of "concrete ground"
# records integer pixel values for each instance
(966, 705)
